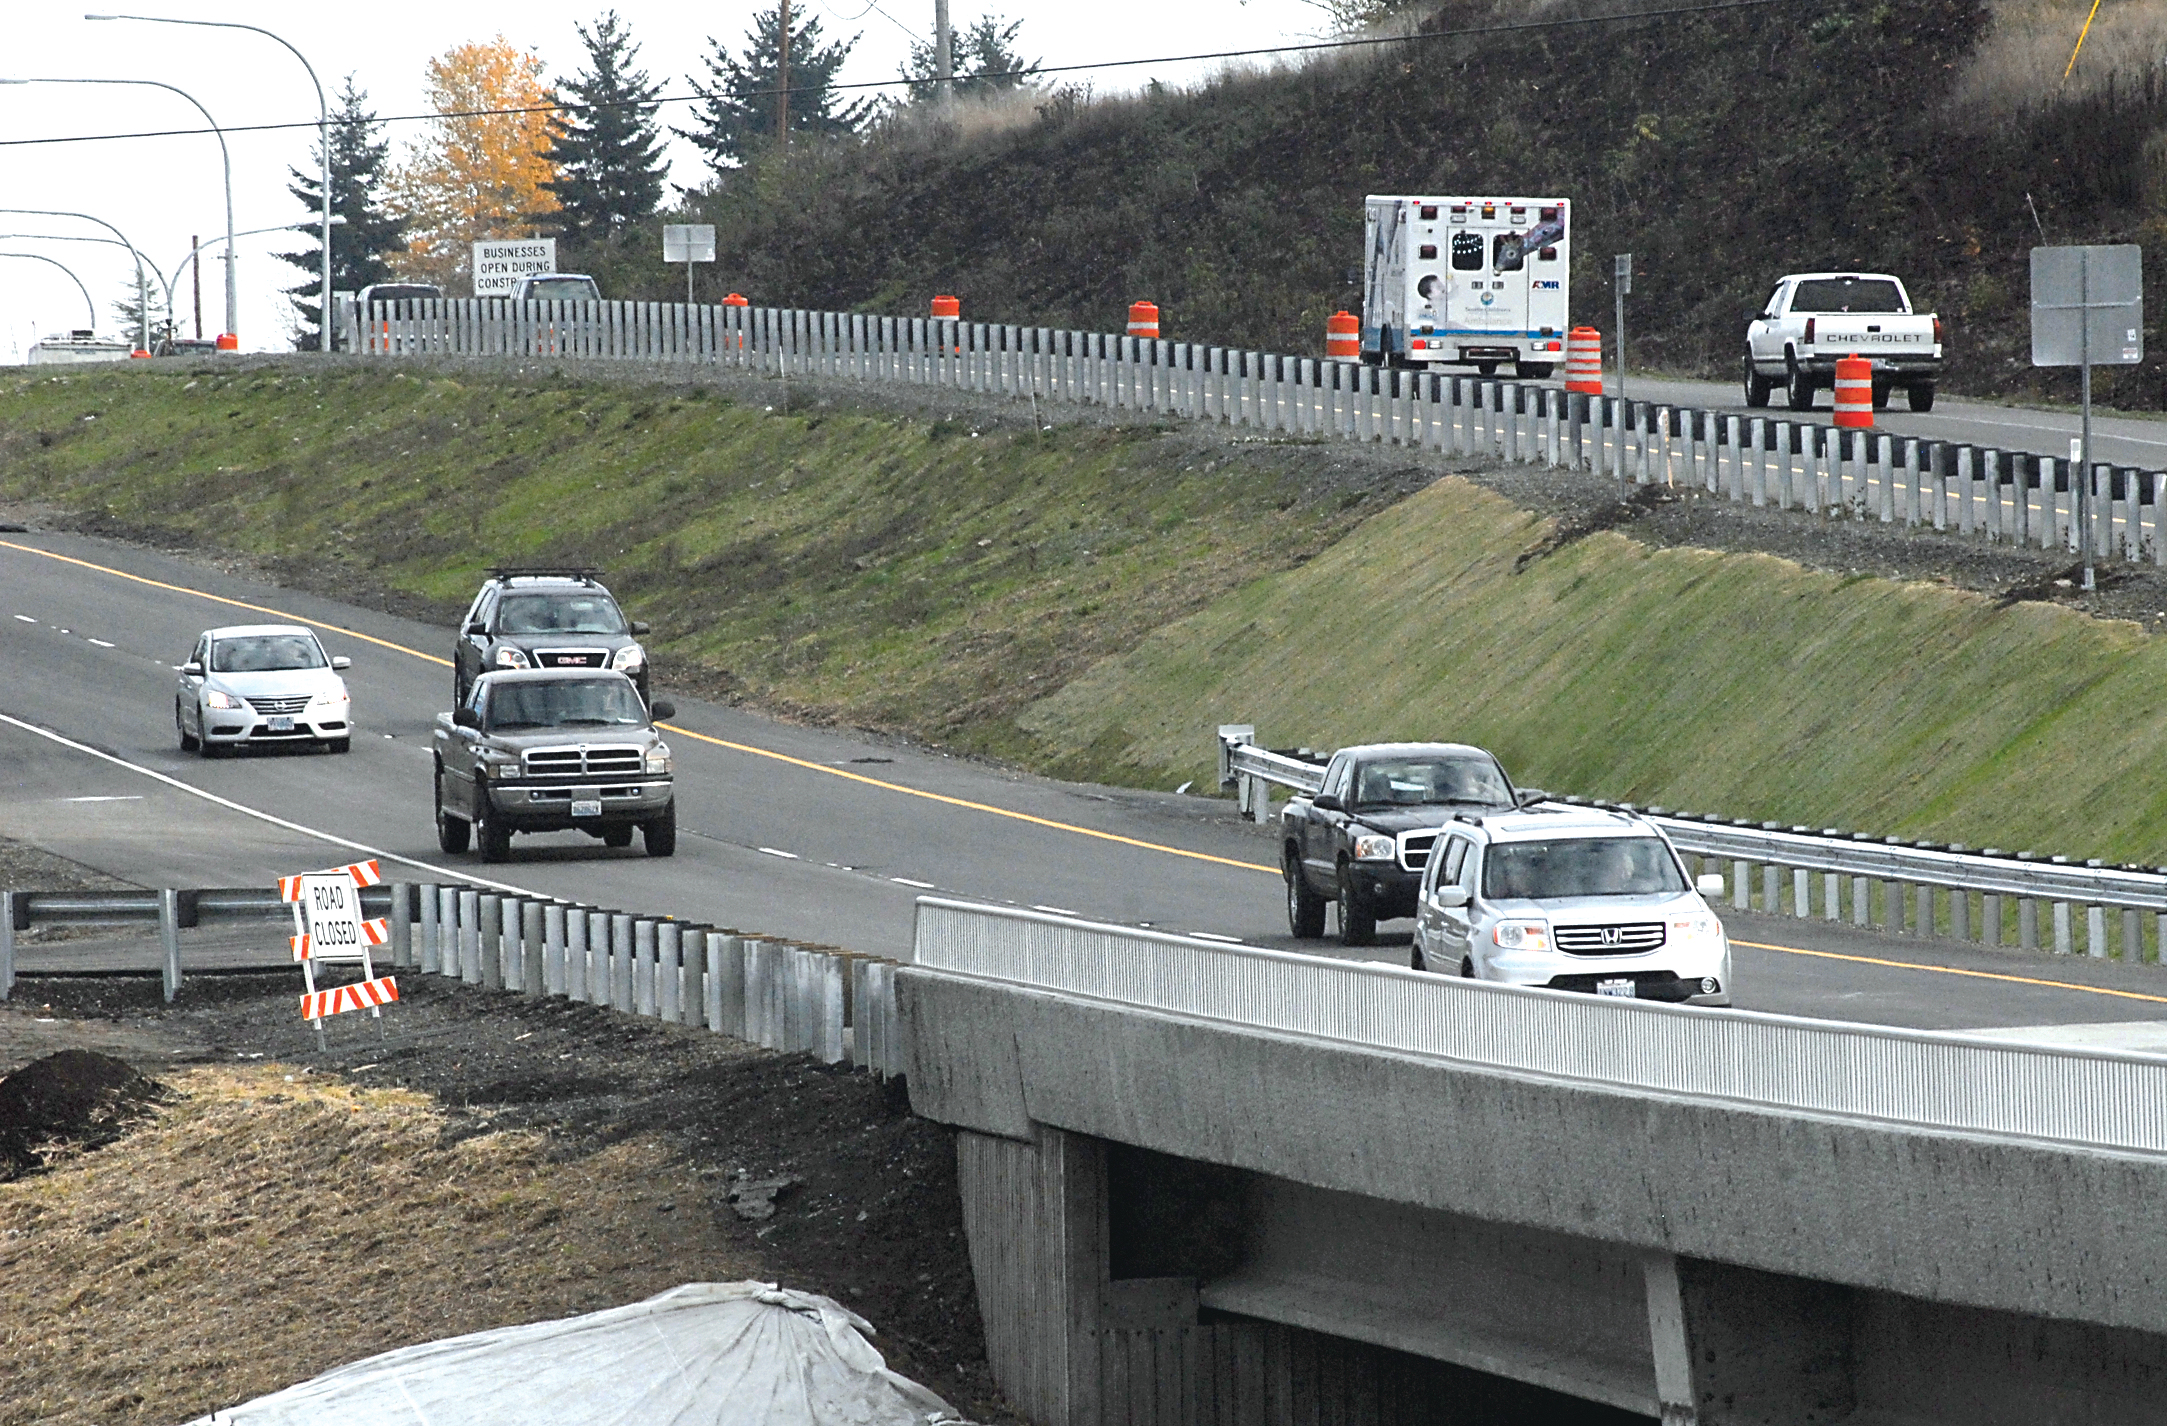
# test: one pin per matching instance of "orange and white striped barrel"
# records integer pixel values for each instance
(1584, 361)
(947, 307)
(1855, 392)
(1144, 320)
(737, 299)
(1343, 336)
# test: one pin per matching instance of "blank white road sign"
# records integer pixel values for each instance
(2100, 288)
(688, 242)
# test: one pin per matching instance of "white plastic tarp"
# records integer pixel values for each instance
(705, 1354)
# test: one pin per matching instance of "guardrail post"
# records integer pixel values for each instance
(534, 957)
(643, 967)
(620, 962)
(1926, 909)
(832, 1002)
(490, 951)
(430, 952)
(1990, 918)
(1772, 888)
(1741, 886)
(169, 938)
(2027, 924)
(1801, 891)
(669, 971)
(2095, 932)
(692, 958)
(470, 937)
(9, 902)
(2063, 943)
(759, 994)
(599, 923)
(572, 981)
(1861, 901)
(2132, 937)
(554, 925)
(402, 925)
(1959, 913)
(1831, 896)
(726, 997)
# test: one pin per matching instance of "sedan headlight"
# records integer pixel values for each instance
(1522, 935)
(329, 698)
(508, 657)
(629, 659)
(1373, 848)
(658, 760)
(217, 698)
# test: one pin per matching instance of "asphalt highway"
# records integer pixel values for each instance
(819, 835)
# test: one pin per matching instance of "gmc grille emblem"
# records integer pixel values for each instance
(1612, 935)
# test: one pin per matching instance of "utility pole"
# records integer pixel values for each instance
(944, 54)
(782, 88)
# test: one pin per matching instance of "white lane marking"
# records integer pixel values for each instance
(132, 798)
(101, 643)
(1214, 936)
(26, 618)
(906, 881)
(246, 811)
(1054, 910)
(778, 852)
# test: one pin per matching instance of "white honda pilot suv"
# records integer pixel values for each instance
(1574, 899)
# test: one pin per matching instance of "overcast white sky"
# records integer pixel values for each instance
(161, 191)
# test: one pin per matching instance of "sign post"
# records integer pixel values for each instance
(500, 263)
(2087, 310)
(329, 927)
(688, 243)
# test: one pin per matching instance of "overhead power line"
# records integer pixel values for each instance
(1037, 72)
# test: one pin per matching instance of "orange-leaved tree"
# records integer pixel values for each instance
(477, 172)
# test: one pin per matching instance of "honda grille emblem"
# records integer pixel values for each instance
(1612, 935)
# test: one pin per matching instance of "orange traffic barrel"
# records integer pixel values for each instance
(1584, 361)
(1144, 320)
(227, 342)
(139, 352)
(735, 300)
(1343, 336)
(1855, 392)
(947, 307)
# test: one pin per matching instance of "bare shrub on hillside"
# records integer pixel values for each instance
(2018, 66)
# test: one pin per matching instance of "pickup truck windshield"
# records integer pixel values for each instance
(265, 653)
(559, 614)
(1848, 294)
(1417, 782)
(1580, 866)
(584, 704)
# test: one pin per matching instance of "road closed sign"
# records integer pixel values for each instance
(500, 263)
(332, 907)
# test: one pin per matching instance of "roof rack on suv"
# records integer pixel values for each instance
(501, 573)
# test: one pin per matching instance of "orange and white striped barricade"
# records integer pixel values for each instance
(329, 927)
(1584, 361)
(1343, 336)
(1855, 393)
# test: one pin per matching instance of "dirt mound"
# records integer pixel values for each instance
(76, 1097)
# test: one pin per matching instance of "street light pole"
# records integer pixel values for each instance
(323, 141)
(225, 156)
(142, 292)
(155, 271)
(40, 257)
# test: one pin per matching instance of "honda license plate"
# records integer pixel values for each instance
(1622, 986)
(282, 725)
(593, 808)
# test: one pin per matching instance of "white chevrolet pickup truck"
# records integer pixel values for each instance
(1813, 319)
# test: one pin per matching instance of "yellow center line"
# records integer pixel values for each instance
(222, 599)
(967, 805)
(1952, 970)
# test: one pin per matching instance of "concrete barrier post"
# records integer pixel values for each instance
(1990, 918)
(1831, 896)
(430, 952)
(1861, 901)
(2132, 936)
(534, 958)
(489, 942)
(470, 937)
(169, 939)
(2064, 942)
(1892, 907)
(620, 962)
(402, 924)
(555, 923)
(575, 951)
(2027, 924)
(1925, 909)
(1741, 886)
(643, 967)
(2095, 932)
(1772, 889)
(669, 972)
(1801, 891)
(1959, 913)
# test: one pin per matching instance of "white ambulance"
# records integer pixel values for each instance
(1467, 282)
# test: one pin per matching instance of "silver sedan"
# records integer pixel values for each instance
(253, 685)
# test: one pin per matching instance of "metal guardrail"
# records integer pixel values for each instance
(1941, 1081)
(1939, 881)
(1984, 492)
(834, 1005)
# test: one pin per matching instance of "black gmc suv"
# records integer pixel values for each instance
(545, 618)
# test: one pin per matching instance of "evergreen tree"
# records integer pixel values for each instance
(608, 153)
(735, 119)
(367, 236)
(984, 61)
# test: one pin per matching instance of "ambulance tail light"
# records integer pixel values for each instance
(1809, 331)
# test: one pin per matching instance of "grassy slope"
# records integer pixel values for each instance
(1737, 683)
(888, 572)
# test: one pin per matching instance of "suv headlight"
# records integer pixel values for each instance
(218, 698)
(629, 659)
(1373, 848)
(658, 760)
(508, 657)
(1522, 935)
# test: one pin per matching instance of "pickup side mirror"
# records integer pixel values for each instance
(1529, 796)
(1450, 898)
(1709, 883)
(341, 664)
(1326, 802)
(192, 669)
(466, 718)
(662, 708)
(478, 627)
(639, 628)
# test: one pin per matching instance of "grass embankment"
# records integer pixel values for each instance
(273, 1224)
(885, 571)
(1737, 683)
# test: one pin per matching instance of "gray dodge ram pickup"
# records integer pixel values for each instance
(1365, 836)
(553, 750)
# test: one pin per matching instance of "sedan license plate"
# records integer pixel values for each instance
(589, 808)
(282, 724)
(1621, 986)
